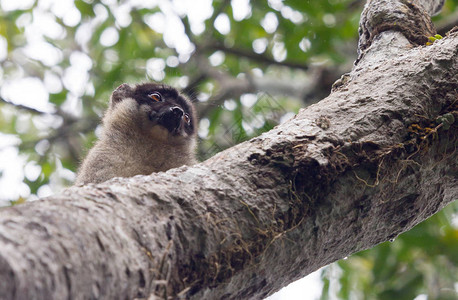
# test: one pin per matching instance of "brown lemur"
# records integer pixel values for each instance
(147, 128)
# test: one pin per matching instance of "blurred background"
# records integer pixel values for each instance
(248, 65)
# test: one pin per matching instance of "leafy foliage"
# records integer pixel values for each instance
(422, 261)
(248, 65)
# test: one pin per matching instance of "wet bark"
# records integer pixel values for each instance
(367, 163)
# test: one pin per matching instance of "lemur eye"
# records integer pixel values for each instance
(155, 96)
(187, 119)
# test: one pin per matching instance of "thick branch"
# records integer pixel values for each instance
(432, 7)
(370, 161)
(355, 170)
(407, 17)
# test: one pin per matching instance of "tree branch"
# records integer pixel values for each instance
(369, 162)
(23, 107)
(261, 58)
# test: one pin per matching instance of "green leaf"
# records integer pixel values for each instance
(85, 9)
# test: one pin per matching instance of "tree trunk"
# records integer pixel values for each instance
(369, 162)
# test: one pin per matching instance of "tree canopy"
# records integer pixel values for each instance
(247, 65)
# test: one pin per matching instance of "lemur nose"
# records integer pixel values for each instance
(177, 111)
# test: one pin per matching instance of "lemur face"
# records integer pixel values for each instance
(162, 104)
(147, 128)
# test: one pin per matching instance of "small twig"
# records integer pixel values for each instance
(190, 90)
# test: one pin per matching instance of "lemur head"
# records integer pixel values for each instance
(155, 110)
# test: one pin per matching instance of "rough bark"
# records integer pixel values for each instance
(370, 161)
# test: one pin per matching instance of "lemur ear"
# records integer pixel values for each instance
(123, 91)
